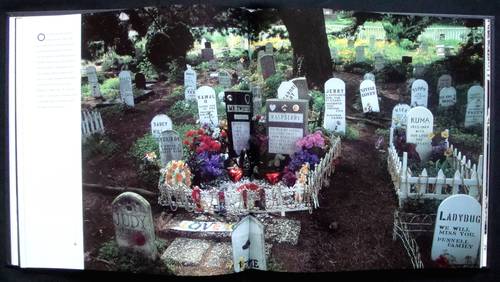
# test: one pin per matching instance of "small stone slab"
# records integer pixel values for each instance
(185, 251)
(282, 230)
(220, 255)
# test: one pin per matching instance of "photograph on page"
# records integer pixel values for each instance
(216, 140)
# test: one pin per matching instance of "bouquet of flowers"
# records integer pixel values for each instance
(207, 147)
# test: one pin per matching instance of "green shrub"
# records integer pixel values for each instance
(85, 89)
(351, 133)
(317, 100)
(114, 62)
(129, 261)
(98, 145)
(358, 68)
(183, 109)
(271, 85)
(110, 88)
(143, 145)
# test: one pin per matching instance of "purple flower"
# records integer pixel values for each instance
(289, 177)
(315, 139)
(301, 157)
(210, 165)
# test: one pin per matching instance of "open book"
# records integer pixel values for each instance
(200, 140)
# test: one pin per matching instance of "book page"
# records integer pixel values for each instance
(47, 108)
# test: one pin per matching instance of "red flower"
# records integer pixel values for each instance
(223, 134)
(442, 262)
(186, 142)
(201, 131)
(139, 239)
(215, 146)
(190, 133)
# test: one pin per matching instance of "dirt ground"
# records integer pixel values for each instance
(360, 198)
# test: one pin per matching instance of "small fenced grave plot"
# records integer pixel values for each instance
(91, 124)
(467, 178)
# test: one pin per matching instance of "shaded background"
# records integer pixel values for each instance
(464, 7)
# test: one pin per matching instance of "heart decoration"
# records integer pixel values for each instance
(235, 173)
(272, 107)
(273, 177)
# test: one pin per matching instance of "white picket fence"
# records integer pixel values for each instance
(467, 178)
(276, 198)
(91, 123)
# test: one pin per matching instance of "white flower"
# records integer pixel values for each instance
(216, 133)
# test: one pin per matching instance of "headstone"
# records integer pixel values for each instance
(350, 43)
(260, 54)
(334, 54)
(418, 70)
(134, 227)
(419, 93)
(94, 83)
(207, 106)
(189, 83)
(239, 115)
(207, 53)
(424, 47)
(369, 97)
(159, 124)
(288, 91)
(126, 88)
(372, 41)
(420, 124)
(248, 244)
(399, 115)
(444, 81)
(269, 48)
(447, 97)
(301, 83)
(267, 66)
(457, 232)
(257, 99)
(448, 50)
(224, 79)
(334, 119)
(286, 123)
(406, 60)
(212, 64)
(369, 76)
(170, 144)
(379, 61)
(360, 54)
(474, 113)
(440, 50)
(140, 81)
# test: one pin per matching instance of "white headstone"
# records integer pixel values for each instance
(474, 113)
(369, 97)
(420, 124)
(447, 97)
(224, 79)
(159, 124)
(248, 244)
(457, 233)
(207, 106)
(360, 54)
(126, 88)
(419, 93)
(133, 221)
(379, 61)
(399, 115)
(372, 41)
(189, 83)
(440, 50)
(334, 118)
(288, 90)
(94, 83)
(170, 144)
(444, 81)
(369, 76)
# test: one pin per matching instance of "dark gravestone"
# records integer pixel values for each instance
(140, 81)
(239, 114)
(267, 66)
(286, 123)
(406, 59)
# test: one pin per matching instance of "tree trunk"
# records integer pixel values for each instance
(307, 33)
